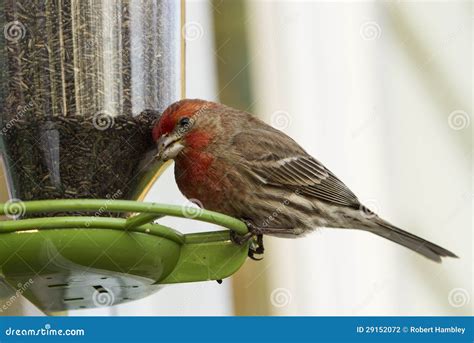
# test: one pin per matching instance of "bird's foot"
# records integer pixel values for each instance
(240, 239)
(256, 246)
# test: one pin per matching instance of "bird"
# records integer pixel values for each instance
(229, 161)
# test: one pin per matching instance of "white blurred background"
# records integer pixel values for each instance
(381, 92)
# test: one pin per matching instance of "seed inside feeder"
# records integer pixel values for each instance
(76, 76)
(73, 157)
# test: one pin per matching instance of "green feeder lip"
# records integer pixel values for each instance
(73, 262)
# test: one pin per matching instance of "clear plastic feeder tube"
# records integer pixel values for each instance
(81, 84)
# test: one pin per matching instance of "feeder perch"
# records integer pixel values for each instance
(74, 262)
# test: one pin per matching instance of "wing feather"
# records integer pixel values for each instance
(277, 160)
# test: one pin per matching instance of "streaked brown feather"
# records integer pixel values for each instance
(288, 166)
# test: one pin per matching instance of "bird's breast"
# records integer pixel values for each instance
(199, 177)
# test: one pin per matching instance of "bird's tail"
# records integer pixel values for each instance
(422, 246)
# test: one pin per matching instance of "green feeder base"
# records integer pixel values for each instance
(63, 263)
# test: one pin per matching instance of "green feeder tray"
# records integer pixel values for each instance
(65, 263)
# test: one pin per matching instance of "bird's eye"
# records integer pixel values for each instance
(184, 122)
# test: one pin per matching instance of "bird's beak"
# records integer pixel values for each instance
(169, 146)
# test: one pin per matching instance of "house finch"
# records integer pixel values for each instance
(233, 163)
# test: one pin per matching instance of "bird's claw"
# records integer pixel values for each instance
(240, 239)
(256, 246)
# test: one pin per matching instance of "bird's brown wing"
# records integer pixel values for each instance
(275, 159)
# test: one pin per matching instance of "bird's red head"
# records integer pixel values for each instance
(177, 126)
(170, 118)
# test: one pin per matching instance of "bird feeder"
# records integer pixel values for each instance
(82, 82)
(74, 262)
